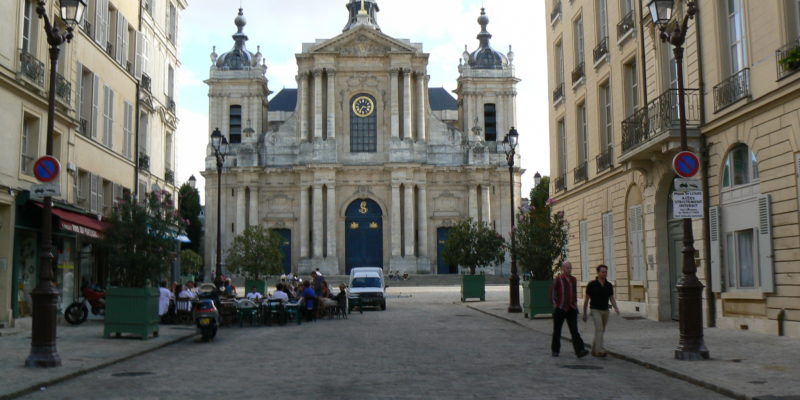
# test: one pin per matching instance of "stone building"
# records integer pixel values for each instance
(614, 131)
(363, 164)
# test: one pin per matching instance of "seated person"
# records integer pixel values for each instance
(165, 295)
(188, 292)
(183, 302)
(279, 294)
(228, 289)
(254, 294)
(326, 297)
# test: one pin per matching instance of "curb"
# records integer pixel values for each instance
(35, 387)
(666, 371)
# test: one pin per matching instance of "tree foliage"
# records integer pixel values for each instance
(141, 239)
(256, 253)
(189, 206)
(473, 244)
(540, 236)
(191, 262)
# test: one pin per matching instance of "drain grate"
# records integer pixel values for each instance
(574, 366)
(125, 374)
(633, 318)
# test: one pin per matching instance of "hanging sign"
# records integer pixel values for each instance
(687, 204)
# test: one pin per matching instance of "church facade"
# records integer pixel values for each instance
(362, 164)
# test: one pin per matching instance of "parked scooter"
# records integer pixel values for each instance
(92, 296)
(205, 313)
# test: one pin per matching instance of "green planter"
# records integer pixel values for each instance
(132, 310)
(473, 287)
(261, 286)
(536, 298)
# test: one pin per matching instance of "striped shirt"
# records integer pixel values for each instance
(565, 292)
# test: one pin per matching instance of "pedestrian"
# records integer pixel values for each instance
(164, 297)
(598, 293)
(565, 307)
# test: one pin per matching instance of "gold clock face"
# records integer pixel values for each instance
(363, 106)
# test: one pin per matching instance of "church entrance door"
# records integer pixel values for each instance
(363, 235)
(441, 266)
(286, 248)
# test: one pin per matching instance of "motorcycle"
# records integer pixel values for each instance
(206, 318)
(78, 311)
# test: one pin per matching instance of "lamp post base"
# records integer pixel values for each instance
(513, 292)
(43, 334)
(690, 295)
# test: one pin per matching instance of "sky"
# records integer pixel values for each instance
(442, 26)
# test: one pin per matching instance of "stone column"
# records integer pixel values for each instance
(409, 219)
(331, 98)
(316, 220)
(421, 95)
(303, 100)
(303, 228)
(422, 223)
(395, 112)
(486, 215)
(406, 103)
(333, 225)
(473, 201)
(317, 104)
(253, 206)
(240, 210)
(512, 97)
(395, 220)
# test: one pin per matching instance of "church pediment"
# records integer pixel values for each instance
(363, 42)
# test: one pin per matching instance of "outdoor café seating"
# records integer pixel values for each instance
(272, 311)
(247, 309)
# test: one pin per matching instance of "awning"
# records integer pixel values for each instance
(183, 238)
(79, 223)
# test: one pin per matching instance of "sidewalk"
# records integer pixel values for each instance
(743, 364)
(82, 349)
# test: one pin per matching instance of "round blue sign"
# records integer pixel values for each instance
(686, 164)
(46, 169)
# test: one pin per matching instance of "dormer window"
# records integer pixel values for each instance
(741, 167)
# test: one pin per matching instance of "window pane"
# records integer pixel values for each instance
(744, 247)
(726, 173)
(740, 161)
(754, 164)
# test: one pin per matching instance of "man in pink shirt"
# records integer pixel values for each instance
(565, 307)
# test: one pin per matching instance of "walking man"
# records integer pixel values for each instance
(598, 294)
(565, 307)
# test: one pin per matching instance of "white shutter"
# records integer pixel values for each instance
(95, 105)
(93, 190)
(126, 129)
(116, 194)
(122, 30)
(584, 239)
(107, 98)
(636, 235)
(101, 23)
(608, 244)
(714, 233)
(110, 131)
(138, 62)
(124, 46)
(177, 23)
(146, 50)
(765, 258)
(79, 91)
(76, 187)
(101, 193)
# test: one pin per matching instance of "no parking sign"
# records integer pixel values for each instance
(686, 164)
(46, 169)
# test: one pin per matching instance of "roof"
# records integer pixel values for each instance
(440, 99)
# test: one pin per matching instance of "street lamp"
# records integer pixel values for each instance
(513, 284)
(220, 145)
(45, 296)
(691, 345)
(537, 179)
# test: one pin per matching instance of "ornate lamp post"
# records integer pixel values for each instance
(691, 345)
(513, 289)
(45, 296)
(220, 145)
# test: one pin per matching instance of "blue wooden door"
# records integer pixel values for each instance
(286, 248)
(441, 266)
(363, 235)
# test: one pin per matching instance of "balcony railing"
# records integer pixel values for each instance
(110, 49)
(87, 26)
(145, 82)
(561, 183)
(659, 116)
(601, 50)
(605, 160)
(31, 68)
(732, 89)
(625, 26)
(558, 93)
(144, 162)
(169, 176)
(788, 59)
(63, 89)
(556, 12)
(581, 173)
(577, 73)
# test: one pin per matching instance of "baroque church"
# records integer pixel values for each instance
(363, 164)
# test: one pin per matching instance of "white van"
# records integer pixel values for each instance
(367, 287)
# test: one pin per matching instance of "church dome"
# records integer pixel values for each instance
(238, 58)
(485, 57)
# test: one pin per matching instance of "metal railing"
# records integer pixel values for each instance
(732, 89)
(83, 129)
(601, 50)
(144, 162)
(110, 49)
(578, 73)
(558, 93)
(625, 25)
(87, 26)
(171, 104)
(556, 11)
(660, 115)
(605, 160)
(31, 68)
(787, 59)
(580, 173)
(561, 183)
(169, 176)
(63, 89)
(146, 82)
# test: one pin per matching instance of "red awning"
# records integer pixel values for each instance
(79, 223)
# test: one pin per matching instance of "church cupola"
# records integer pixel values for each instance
(238, 58)
(486, 57)
(362, 12)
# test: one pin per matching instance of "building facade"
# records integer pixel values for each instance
(363, 164)
(114, 69)
(614, 129)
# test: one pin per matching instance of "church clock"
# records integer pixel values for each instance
(363, 106)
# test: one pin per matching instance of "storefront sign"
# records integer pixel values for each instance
(79, 229)
(687, 204)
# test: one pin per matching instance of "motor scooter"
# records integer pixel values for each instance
(205, 314)
(95, 297)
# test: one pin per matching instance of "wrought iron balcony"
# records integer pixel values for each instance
(577, 73)
(601, 50)
(732, 89)
(660, 116)
(144, 162)
(63, 89)
(145, 82)
(581, 173)
(110, 49)
(31, 68)
(605, 160)
(558, 93)
(561, 183)
(87, 27)
(625, 26)
(788, 59)
(556, 12)
(83, 129)
(169, 176)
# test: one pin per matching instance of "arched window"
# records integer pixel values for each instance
(740, 168)
(363, 124)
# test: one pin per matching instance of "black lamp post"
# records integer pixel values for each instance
(513, 289)
(45, 296)
(220, 145)
(690, 290)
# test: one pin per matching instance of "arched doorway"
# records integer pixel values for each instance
(363, 235)
(441, 266)
(286, 248)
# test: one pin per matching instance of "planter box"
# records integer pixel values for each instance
(132, 310)
(473, 287)
(261, 287)
(536, 298)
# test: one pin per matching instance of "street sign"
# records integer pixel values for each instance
(687, 204)
(686, 164)
(684, 184)
(49, 189)
(46, 169)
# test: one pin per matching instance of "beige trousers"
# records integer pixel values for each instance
(600, 318)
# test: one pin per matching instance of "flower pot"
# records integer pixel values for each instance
(132, 310)
(536, 298)
(473, 287)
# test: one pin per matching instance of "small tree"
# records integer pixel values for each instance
(256, 252)
(189, 206)
(540, 237)
(141, 239)
(473, 244)
(191, 262)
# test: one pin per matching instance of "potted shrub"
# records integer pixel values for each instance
(472, 245)
(140, 242)
(256, 254)
(791, 61)
(540, 243)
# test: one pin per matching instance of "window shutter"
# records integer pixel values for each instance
(93, 189)
(765, 258)
(584, 238)
(125, 46)
(608, 244)
(138, 62)
(101, 194)
(76, 188)
(176, 26)
(79, 90)
(714, 233)
(636, 247)
(122, 31)
(110, 118)
(95, 105)
(101, 23)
